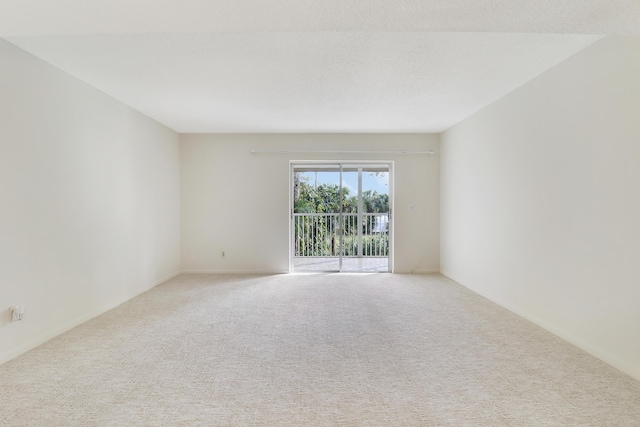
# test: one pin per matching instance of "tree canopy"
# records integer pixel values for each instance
(325, 198)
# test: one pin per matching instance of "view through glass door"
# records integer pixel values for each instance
(340, 219)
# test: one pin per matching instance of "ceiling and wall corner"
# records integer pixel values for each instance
(90, 193)
(540, 201)
(320, 67)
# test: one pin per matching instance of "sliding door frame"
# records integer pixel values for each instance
(340, 164)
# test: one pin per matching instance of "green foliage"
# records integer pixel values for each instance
(325, 198)
(320, 243)
(376, 245)
(318, 235)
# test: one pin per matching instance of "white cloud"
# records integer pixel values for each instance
(345, 184)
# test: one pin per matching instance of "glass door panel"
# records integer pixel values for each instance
(340, 217)
(367, 228)
(316, 218)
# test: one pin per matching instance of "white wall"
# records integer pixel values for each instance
(238, 202)
(89, 201)
(541, 201)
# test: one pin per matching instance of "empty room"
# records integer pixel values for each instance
(331, 213)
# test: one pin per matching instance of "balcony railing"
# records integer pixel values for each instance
(363, 235)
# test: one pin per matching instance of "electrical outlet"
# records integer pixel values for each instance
(17, 312)
(223, 254)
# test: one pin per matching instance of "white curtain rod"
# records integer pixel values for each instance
(430, 152)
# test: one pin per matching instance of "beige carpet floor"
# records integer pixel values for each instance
(312, 350)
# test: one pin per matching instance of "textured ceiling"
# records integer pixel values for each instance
(310, 66)
(47, 17)
(306, 82)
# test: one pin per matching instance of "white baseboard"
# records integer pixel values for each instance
(425, 271)
(417, 271)
(31, 344)
(235, 271)
(632, 371)
(167, 278)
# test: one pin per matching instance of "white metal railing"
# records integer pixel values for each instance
(363, 235)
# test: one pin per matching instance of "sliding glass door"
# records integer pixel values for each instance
(316, 217)
(340, 217)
